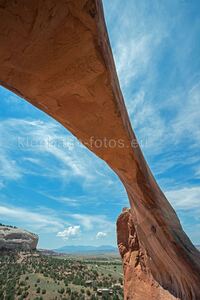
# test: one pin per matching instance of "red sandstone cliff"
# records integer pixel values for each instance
(139, 282)
(56, 55)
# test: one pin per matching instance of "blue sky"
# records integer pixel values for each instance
(53, 186)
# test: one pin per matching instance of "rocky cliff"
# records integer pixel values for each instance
(56, 55)
(16, 239)
(138, 280)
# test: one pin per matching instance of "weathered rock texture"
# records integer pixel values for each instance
(56, 55)
(16, 239)
(139, 282)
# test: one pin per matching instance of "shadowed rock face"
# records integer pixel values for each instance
(56, 55)
(138, 280)
(17, 239)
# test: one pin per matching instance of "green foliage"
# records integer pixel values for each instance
(46, 277)
(88, 292)
(10, 226)
(61, 291)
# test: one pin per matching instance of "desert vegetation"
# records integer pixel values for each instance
(36, 276)
(10, 226)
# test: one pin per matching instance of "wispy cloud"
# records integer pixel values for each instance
(36, 138)
(186, 125)
(2, 185)
(9, 168)
(90, 222)
(69, 201)
(133, 55)
(187, 198)
(41, 141)
(33, 219)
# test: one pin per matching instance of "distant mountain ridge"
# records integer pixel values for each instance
(71, 249)
(87, 249)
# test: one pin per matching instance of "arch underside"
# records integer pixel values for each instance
(56, 55)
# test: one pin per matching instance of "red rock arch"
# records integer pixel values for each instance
(56, 55)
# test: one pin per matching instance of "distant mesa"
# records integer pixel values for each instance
(16, 239)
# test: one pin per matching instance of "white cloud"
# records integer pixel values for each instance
(9, 168)
(135, 43)
(38, 143)
(69, 232)
(33, 219)
(2, 185)
(157, 132)
(37, 148)
(90, 222)
(134, 54)
(12, 99)
(186, 125)
(184, 198)
(32, 160)
(66, 200)
(101, 235)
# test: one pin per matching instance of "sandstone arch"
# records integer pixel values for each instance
(56, 55)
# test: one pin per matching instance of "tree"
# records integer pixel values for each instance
(68, 290)
(43, 291)
(88, 292)
(61, 291)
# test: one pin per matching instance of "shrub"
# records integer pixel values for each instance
(43, 291)
(61, 291)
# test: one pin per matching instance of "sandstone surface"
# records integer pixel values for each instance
(56, 55)
(17, 239)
